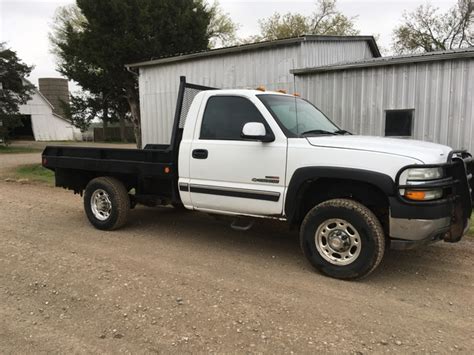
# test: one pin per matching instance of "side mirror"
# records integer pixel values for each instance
(256, 131)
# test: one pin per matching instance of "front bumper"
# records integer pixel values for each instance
(418, 223)
(411, 234)
(418, 229)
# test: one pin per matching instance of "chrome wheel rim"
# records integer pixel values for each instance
(100, 205)
(338, 242)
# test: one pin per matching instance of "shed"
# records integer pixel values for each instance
(245, 66)
(428, 96)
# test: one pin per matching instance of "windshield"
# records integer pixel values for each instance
(297, 116)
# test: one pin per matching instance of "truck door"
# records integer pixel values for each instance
(232, 174)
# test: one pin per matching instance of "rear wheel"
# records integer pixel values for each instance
(343, 239)
(106, 203)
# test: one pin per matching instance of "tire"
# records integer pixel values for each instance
(106, 203)
(342, 239)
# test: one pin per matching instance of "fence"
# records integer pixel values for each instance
(113, 134)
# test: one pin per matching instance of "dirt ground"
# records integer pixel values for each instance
(184, 282)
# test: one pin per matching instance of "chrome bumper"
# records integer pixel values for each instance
(417, 229)
(411, 233)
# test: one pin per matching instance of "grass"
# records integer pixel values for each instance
(471, 228)
(35, 172)
(17, 150)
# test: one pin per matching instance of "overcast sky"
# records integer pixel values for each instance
(24, 24)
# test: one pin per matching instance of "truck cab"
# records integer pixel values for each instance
(260, 154)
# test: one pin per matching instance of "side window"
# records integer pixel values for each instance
(398, 123)
(225, 116)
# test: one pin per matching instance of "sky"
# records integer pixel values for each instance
(25, 24)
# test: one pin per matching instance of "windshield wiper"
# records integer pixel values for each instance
(343, 131)
(318, 131)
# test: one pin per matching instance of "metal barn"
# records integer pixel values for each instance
(246, 66)
(427, 97)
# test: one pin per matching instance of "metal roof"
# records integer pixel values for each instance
(258, 45)
(394, 60)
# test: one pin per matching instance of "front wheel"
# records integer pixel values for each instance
(342, 239)
(106, 203)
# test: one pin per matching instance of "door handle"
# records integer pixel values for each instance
(200, 153)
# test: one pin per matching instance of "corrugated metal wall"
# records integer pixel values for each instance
(441, 94)
(247, 69)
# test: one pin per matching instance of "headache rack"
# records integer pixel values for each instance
(186, 94)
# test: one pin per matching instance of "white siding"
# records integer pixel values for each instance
(441, 93)
(247, 69)
(47, 126)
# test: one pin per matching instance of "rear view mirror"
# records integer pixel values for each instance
(256, 131)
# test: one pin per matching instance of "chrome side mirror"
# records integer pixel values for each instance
(256, 131)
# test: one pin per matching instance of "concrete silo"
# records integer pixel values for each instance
(56, 90)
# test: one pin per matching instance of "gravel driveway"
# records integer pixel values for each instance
(183, 282)
(9, 161)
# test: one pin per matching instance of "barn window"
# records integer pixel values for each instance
(398, 123)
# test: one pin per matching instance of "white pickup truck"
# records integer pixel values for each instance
(251, 154)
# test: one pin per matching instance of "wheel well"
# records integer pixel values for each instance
(314, 192)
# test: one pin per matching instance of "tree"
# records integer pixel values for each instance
(14, 90)
(326, 20)
(82, 109)
(100, 90)
(96, 40)
(283, 26)
(428, 30)
(221, 31)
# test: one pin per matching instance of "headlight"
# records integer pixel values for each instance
(420, 176)
(417, 174)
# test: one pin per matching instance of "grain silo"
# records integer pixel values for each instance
(56, 91)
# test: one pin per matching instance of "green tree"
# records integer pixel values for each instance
(100, 90)
(14, 90)
(95, 40)
(283, 26)
(221, 31)
(427, 29)
(326, 20)
(82, 109)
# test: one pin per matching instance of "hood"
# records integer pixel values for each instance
(425, 152)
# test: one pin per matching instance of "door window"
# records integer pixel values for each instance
(225, 116)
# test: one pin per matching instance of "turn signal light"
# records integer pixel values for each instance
(427, 195)
(415, 195)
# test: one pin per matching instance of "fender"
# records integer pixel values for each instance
(295, 191)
